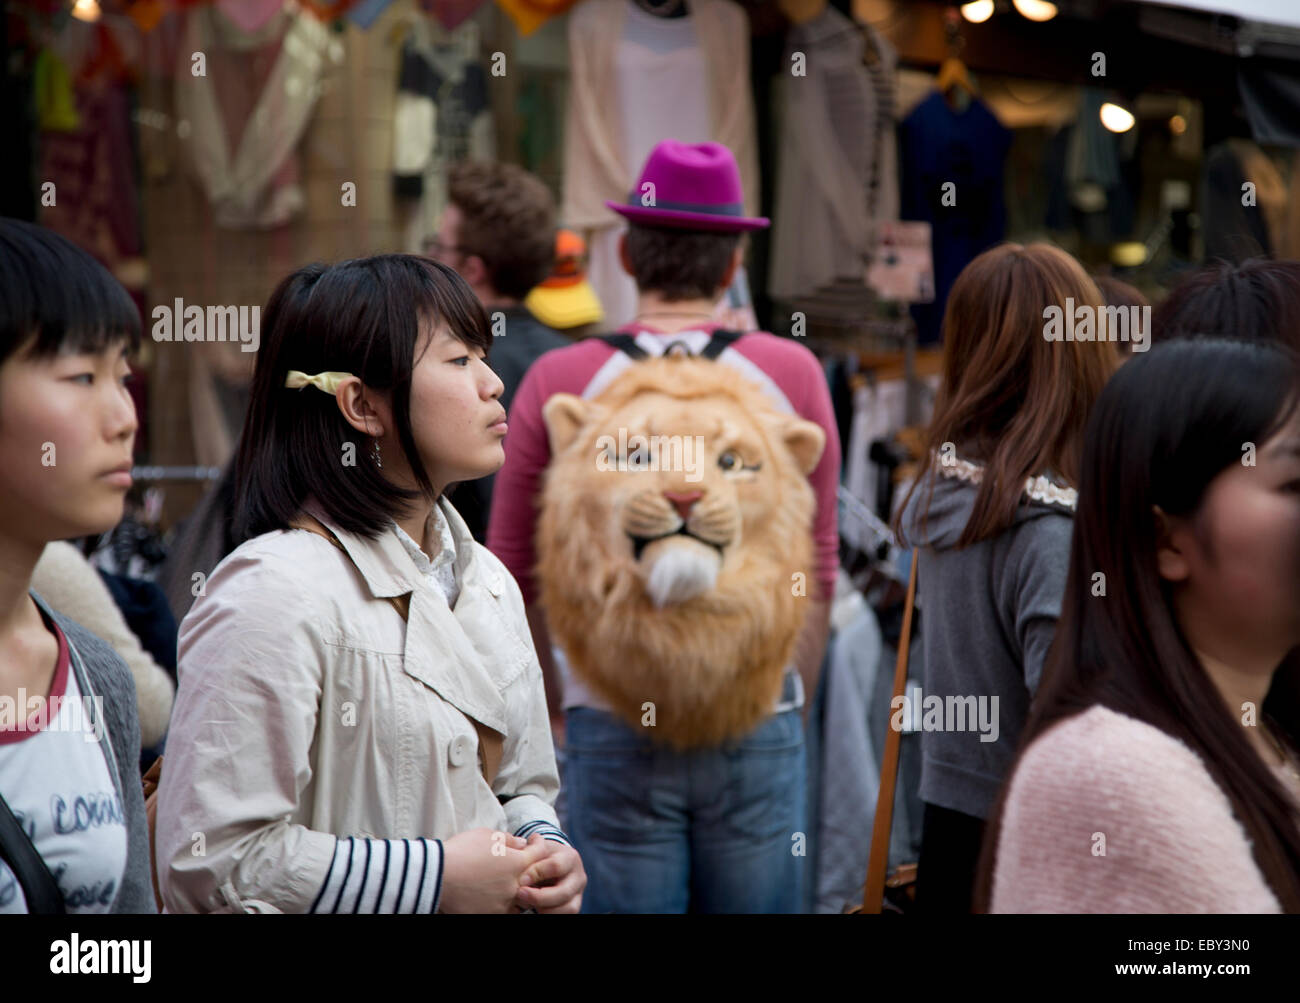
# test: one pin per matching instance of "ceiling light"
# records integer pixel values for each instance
(1116, 118)
(1036, 10)
(977, 11)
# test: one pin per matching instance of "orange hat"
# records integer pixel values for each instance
(565, 299)
(529, 15)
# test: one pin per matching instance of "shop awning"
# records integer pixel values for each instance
(1268, 11)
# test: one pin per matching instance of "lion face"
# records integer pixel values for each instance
(677, 502)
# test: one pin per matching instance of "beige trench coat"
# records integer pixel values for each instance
(308, 709)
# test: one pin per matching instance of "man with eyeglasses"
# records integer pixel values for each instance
(498, 232)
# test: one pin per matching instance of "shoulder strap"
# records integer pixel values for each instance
(18, 851)
(625, 343)
(873, 897)
(720, 341)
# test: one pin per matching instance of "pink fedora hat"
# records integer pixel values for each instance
(695, 186)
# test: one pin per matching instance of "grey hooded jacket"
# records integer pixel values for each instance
(101, 673)
(988, 613)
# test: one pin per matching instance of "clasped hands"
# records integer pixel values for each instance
(487, 871)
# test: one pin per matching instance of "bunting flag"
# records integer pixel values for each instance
(451, 13)
(146, 14)
(328, 10)
(367, 12)
(249, 15)
(529, 15)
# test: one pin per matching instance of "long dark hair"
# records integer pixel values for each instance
(1165, 426)
(361, 317)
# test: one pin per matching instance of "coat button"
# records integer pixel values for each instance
(460, 751)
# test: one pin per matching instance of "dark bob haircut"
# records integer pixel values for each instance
(363, 317)
(56, 299)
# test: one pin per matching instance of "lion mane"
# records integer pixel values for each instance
(674, 536)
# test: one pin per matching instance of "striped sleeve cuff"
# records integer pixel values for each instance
(382, 876)
(547, 830)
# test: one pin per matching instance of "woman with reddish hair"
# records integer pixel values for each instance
(990, 514)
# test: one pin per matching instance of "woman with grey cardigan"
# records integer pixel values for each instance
(70, 584)
(991, 515)
(72, 818)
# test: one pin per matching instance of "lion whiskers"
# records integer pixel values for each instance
(715, 520)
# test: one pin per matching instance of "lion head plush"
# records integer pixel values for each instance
(676, 521)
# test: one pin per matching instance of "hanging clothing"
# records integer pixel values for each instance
(636, 80)
(1271, 98)
(442, 114)
(1235, 231)
(97, 198)
(879, 412)
(439, 94)
(56, 106)
(837, 169)
(244, 134)
(1085, 163)
(969, 149)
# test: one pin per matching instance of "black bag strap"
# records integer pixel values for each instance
(720, 341)
(39, 887)
(626, 343)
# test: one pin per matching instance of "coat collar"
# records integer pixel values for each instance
(388, 569)
(432, 627)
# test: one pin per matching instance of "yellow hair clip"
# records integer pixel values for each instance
(329, 382)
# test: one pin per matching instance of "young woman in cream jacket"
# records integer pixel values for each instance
(360, 724)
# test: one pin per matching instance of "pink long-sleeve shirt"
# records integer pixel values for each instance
(512, 523)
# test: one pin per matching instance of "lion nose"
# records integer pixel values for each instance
(683, 500)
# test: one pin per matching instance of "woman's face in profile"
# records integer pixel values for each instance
(1240, 553)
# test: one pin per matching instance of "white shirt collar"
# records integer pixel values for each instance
(441, 569)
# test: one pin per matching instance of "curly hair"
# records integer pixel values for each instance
(508, 220)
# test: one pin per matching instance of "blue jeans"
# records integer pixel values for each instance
(719, 830)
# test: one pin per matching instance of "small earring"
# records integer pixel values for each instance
(379, 460)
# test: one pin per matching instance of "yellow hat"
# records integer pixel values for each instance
(566, 299)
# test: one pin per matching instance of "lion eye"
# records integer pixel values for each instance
(730, 460)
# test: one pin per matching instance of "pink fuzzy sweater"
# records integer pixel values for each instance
(1107, 814)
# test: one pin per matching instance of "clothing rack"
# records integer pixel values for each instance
(839, 322)
(876, 527)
